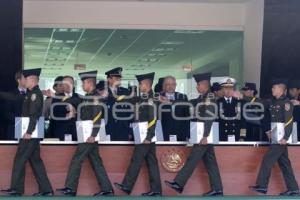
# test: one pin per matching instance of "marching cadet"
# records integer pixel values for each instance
(90, 110)
(29, 148)
(147, 149)
(202, 151)
(118, 129)
(281, 111)
(229, 111)
(294, 93)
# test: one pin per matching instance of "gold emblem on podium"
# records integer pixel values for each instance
(172, 160)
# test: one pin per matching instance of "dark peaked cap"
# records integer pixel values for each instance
(149, 76)
(32, 72)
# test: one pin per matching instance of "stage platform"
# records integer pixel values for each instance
(238, 163)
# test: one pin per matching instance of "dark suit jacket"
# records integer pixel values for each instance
(171, 126)
(13, 108)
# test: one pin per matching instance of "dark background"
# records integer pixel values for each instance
(281, 42)
(10, 48)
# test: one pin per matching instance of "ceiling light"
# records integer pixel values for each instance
(172, 43)
(62, 30)
(188, 32)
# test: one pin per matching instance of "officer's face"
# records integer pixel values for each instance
(278, 90)
(203, 87)
(248, 93)
(145, 86)
(59, 88)
(22, 82)
(68, 85)
(169, 85)
(29, 81)
(86, 85)
(228, 91)
(114, 81)
(294, 92)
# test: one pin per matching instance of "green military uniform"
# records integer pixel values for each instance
(199, 151)
(145, 151)
(29, 150)
(90, 110)
(281, 111)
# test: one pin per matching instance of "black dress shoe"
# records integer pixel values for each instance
(152, 194)
(43, 194)
(104, 193)
(258, 189)
(11, 192)
(67, 191)
(174, 186)
(213, 193)
(123, 188)
(290, 193)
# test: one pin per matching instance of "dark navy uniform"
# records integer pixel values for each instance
(199, 151)
(171, 126)
(144, 151)
(229, 122)
(253, 127)
(281, 111)
(118, 129)
(296, 113)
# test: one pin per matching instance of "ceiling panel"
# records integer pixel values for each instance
(138, 51)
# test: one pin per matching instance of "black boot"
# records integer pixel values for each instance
(104, 193)
(175, 186)
(43, 194)
(11, 192)
(152, 194)
(67, 191)
(290, 193)
(258, 189)
(213, 193)
(122, 187)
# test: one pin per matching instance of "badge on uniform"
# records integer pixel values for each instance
(287, 107)
(33, 97)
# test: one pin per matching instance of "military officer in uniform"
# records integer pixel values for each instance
(281, 111)
(294, 94)
(118, 129)
(229, 111)
(147, 149)
(203, 150)
(90, 110)
(253, 127)
(29, 148)
(217, 90)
